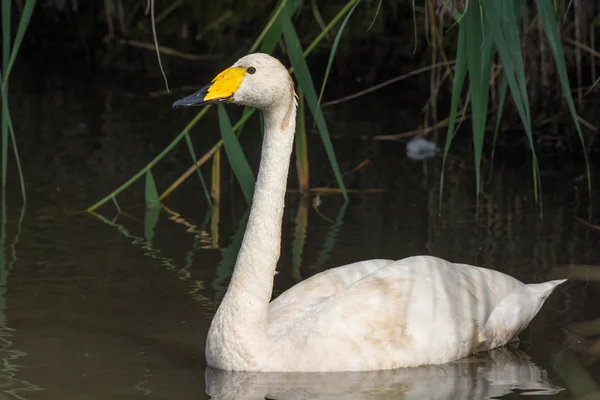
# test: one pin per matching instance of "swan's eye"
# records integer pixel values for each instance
(251, 70)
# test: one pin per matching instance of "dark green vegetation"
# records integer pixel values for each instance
(464, 49)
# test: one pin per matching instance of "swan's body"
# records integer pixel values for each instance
(370, 315)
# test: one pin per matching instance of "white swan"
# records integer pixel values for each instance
(370, 315)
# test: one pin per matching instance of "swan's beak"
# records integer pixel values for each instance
(220, 90)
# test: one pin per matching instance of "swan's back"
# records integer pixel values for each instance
(293, 305)
(415, 311)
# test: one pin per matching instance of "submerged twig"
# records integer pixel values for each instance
(588, 224)
(182, 89)
(328, 190)
(171, 52)
(191, 170)
(179, 219)
(386, 83)
(167, 11)
(150, 4)
(419, 132)
(359, 166)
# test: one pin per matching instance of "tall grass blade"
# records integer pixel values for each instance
(268, 39)
(548, 21)
(214, 225)
(502, 24)
(190, 146)
(377, 14)
(305, 82)
(228, 258)
(21, 29)
(478, 65)
(4, 139)
(503, 91)
(460, 73)
(9, 54)
(155, 36)
(335, 45)
(327, 28)
(329, 242)
(13, 139)
(6, 9)
(13, 245)
(301, 223)
(235, 155)
(301, 146)
(6, 32)
(116, 204)
(414, 15)
(150, 221)
(272, 29)
(272, 32)
(239, 126)
(3, 263)
(151, 192)
(216, 177)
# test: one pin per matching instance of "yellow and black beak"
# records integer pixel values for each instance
(220, 90)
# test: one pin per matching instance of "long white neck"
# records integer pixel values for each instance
(249, 293)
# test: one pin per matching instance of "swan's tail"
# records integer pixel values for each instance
(514, 312)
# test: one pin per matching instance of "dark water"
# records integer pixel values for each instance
(118, 305)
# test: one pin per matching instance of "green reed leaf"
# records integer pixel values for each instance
(460, 73)
(190, 146)
(24, 20)
(272, 31)
(334, 47)
(235, 155)
(301, 146)
(377, 14)
(150, 221)
(152, 200)
(548, 21)
(479, 60)
(501, 20)
(305, 82)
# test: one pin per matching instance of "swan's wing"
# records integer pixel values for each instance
(296, 302)
(419, 310)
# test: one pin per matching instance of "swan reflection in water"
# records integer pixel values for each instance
(483, 376)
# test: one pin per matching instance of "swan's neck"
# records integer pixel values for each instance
(245, 305)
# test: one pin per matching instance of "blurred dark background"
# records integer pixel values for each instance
(87, 87)
(98, 38)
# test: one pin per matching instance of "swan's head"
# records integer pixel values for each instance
(256, 80)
